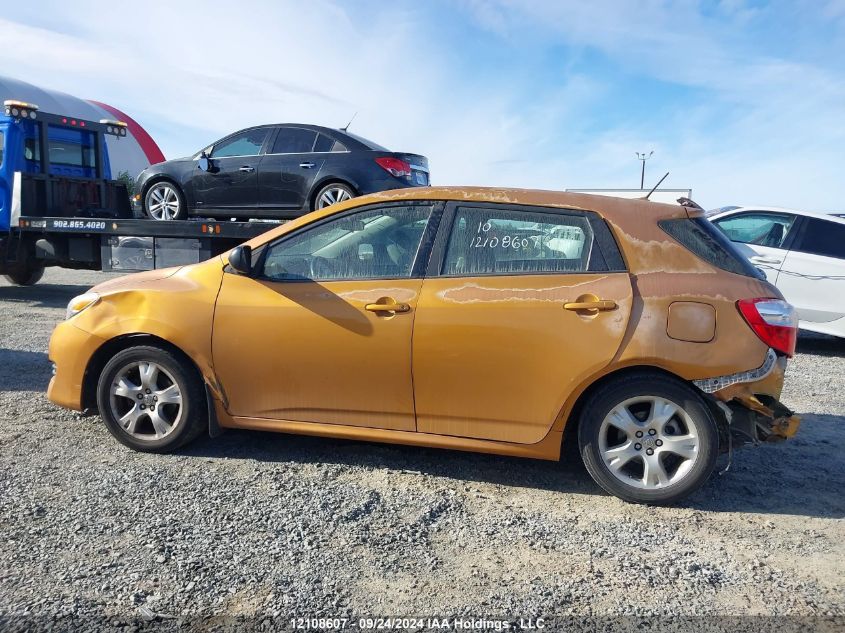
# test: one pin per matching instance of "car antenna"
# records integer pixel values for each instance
(653, 189)
(346, 127)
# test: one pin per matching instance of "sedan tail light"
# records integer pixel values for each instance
(773, 320)
(395, 166)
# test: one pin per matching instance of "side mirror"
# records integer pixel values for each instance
(203, 162)
(241, 259)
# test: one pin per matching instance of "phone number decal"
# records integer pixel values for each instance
(90, 225)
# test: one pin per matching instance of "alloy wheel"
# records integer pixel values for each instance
(146, 401)
(333, 195)
(648, 442)
(163, 202)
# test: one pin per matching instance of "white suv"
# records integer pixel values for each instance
(801, 252)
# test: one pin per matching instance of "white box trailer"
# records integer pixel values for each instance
(669, 196)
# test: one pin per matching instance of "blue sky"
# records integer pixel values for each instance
(741, 100)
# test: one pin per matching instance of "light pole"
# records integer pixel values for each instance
(643, 157)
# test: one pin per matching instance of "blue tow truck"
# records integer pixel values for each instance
(60, 206)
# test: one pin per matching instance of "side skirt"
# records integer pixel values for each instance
(548, 448)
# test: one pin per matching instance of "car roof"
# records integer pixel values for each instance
(627, 213)
(608, 206)
(345, 137)
(808, 214)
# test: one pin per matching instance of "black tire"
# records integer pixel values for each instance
(180, 214)
(192, 420)
(645, 385)
(27, 275)
(319, 203)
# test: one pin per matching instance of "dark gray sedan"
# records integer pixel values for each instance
(274, 171)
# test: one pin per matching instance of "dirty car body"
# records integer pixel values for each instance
(490, 320)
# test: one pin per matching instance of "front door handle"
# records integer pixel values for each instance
(598, 304)
(387, 304)
(247, 169)
(306, 165)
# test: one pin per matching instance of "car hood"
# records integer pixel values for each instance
(134, 280)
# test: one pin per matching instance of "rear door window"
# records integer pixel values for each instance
(504, 241)
(821, 237)
(758, 228)
(294, 140)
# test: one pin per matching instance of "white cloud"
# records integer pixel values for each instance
(768, 130)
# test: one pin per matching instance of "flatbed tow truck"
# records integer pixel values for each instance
(59, 205)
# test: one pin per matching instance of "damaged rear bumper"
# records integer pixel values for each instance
(749, 401)
(761, 419)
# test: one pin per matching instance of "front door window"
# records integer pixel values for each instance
(377, 244)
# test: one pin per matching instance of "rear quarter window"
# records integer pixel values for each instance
(700, 237)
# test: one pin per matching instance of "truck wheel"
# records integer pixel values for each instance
(648, 439)
(164, 201)
(333, 193)
(151, 400)
(28, 275)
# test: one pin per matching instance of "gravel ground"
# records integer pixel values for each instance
(262, 526)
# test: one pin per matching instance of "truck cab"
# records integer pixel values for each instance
(56, 166)
(57, 163)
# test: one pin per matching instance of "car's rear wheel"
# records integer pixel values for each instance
(648, 439)
(333, 193)
(151, 400)
(164, 201)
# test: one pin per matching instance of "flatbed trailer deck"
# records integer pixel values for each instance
(114, 244)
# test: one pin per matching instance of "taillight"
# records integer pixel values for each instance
(395, 166)
(773, 320)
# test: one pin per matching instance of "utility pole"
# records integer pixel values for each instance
(643, 157)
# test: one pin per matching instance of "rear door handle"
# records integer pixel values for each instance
(600, 304)
(306, 165)
(247, 169)
(760, 259)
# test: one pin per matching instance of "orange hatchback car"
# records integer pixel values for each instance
(490, 320)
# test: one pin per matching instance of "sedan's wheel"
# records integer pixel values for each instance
(150, 399)
(648, 439)
(164, 201)
(332, 194)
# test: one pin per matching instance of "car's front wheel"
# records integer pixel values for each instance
(648, 439)
(164, 201)
(151, 399)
